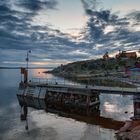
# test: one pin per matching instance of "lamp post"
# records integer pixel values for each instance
(27, 60)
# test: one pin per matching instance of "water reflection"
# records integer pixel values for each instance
(53, 126)
(136, 102)
(71, 105)
(67, 129)
(117, 107)
(39, 73)
(111, 108)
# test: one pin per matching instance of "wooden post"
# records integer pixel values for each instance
(24, 72)
(26, 76)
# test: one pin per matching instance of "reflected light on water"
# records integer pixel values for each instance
(110, 107)
(67, 129)
(39, 73)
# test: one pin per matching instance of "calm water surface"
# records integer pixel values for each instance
(47, 126)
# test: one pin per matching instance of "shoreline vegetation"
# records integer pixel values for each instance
(130, 131)
(109, 72)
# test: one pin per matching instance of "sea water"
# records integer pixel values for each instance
(49, 126)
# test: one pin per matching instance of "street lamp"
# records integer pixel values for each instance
(27, 58)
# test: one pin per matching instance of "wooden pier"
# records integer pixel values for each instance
(76, 104)
(45, 94)
(54, 96)
(82, 99)
(56, 87)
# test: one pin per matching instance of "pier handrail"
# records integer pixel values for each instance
(53, 81)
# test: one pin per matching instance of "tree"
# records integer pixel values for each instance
(106, 56)
(122, 63)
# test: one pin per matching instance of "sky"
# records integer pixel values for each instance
(62, 31)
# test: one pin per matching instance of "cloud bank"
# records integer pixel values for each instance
(104, 31)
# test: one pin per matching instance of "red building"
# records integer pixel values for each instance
(125, 54)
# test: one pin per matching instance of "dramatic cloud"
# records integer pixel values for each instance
(104, 31)
(36, 5)
(111, 31)
(134, 15)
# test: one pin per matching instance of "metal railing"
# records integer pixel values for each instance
(54, 81)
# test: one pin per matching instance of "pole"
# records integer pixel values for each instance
(27, 60)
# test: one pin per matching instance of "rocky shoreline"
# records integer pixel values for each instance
(130, 131)
(109, 72)
(97, 80)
